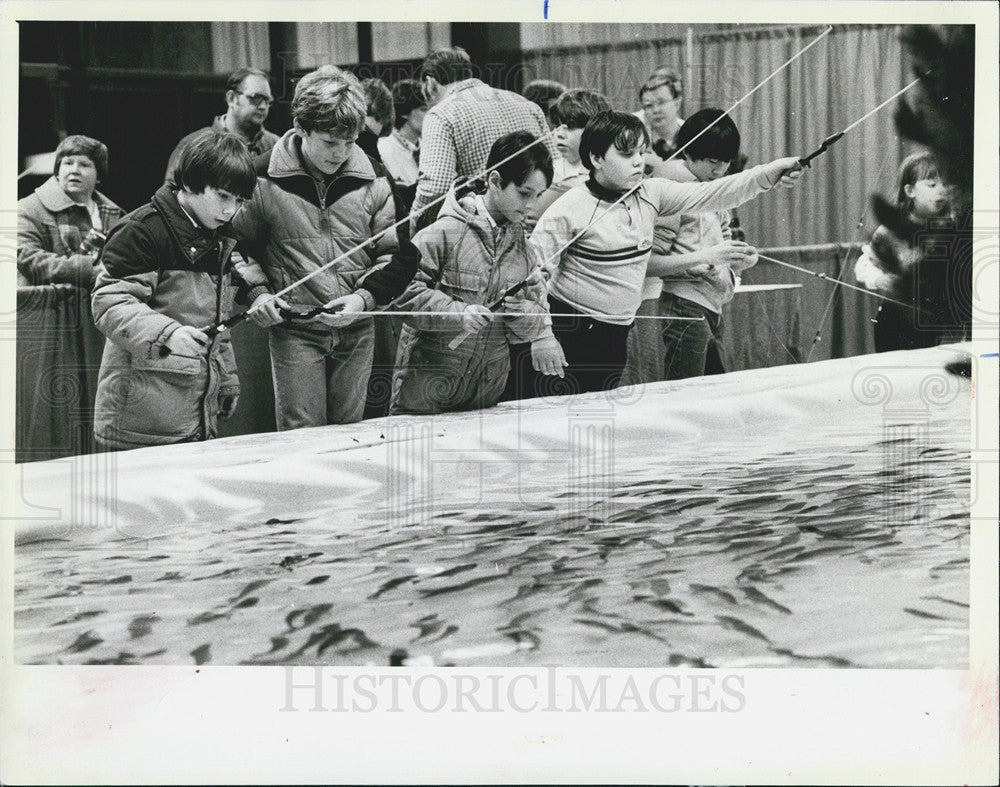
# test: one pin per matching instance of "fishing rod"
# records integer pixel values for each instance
(235, 319)
(820, 275)
(623, 197)
(830, 140)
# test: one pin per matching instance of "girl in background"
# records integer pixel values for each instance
(889, 264)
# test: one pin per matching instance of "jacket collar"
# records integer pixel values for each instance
(54, 199)
(286, 160)
(601, 192)
(471, 212)
(191, 241)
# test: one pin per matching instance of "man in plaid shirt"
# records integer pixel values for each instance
(466, 118)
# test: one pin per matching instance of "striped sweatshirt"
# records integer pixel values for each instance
(602, 271)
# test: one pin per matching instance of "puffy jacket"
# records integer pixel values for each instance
(50, 227)
(293, 225)
(157, 272)
(462, 263)
(463, 260)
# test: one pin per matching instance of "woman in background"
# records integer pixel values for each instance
(62, 226)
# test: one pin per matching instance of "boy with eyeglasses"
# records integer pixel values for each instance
(248, 101)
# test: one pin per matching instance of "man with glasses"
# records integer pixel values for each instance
(248, 100)
(660, 97)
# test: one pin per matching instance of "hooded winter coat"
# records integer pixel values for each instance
(158, 272)
(463, 260)
(50, 228)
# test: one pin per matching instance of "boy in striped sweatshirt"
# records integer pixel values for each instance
(595, 284)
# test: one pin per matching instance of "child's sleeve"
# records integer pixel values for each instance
(249, 227)
(534, 324)
(553, 231)
(126, 279)
(422, 295)
(665, 230)
(395, 256)
(725, 224)
(721, 194)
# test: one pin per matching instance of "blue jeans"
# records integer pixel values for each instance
(320, 373)
(688, 344)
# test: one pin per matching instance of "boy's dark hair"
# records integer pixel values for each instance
(576, 107)
(235, 81)
(79, 145)
(221, 161)
(721, 141)
(406, 97)
(448, 65)
(379, 99)
(543, 92)
(524, 162)
(621, 129)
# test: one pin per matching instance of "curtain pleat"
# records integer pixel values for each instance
(408, 40)
(323, 43)
(835, 83)
(240, 45)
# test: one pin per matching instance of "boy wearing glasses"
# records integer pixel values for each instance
(248, 100)
(164, 274)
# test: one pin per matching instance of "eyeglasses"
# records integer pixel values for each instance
(257, 99)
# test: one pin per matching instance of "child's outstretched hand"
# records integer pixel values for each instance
(346, 310)
(784, 172)
(547, 356)
(264, 310)
(187, 340)
(475, 317)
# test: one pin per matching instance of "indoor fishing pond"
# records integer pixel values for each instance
(791, 517)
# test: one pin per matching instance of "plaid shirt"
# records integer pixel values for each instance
(459, 132)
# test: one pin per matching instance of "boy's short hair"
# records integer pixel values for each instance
(235, 81)
(221, 161)
(574, 108)
(330, 101)
(523, 159)
(79, 145)
(721, 141)
(622, 129)
(379, 100)
(663, 75)
(406, 97)
(543, 92)
(451, 64)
